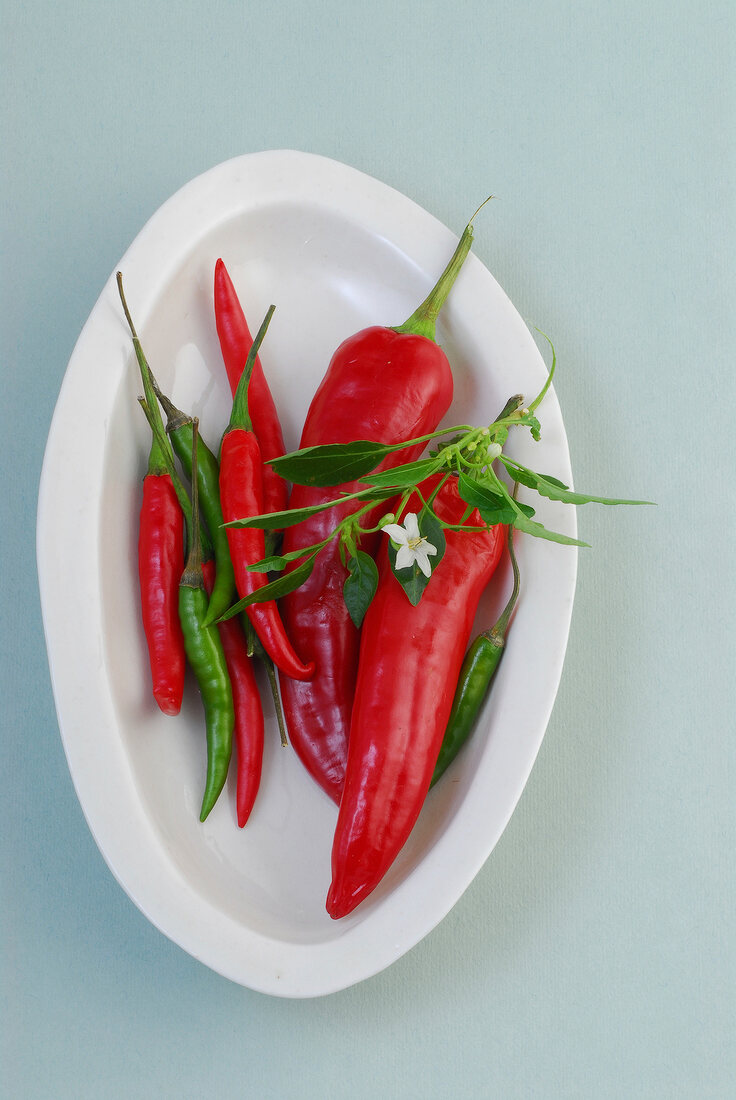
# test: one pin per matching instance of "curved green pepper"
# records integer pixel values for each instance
(205, 651)
(476, 674)
(207, 660)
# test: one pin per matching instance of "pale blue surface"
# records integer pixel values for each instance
(594, 955)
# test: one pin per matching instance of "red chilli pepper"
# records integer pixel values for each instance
(249, 726)
(160, 566)
(410, 659)
(160, 551)
(387, 385)
(235, 343)
(241, 496)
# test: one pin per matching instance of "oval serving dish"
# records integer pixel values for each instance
(335, 250)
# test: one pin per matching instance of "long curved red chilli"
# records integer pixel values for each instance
(160, 566)
(410, 658)
(235, 343)
(249, 726)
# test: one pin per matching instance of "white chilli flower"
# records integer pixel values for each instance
(412, 546)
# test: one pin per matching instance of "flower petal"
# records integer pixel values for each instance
(420, 557)
(411, 525)
(405, 557)
(396, 532)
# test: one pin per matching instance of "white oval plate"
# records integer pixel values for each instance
(335, 250)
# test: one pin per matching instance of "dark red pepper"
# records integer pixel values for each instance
(387, 385)
(235, 343)
(410, 658)
(241, 496)
(249, 726)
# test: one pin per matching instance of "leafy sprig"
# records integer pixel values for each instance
(471, 454)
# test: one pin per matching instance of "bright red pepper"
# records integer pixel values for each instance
(410, 658)
(235, 343)
(160, 566)
(249, 726)
(241, 497)
(160, 551)
(387, 385)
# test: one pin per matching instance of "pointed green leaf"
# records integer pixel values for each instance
(330, 463)
(553, 489)
(275, 563)
(522, 520)
(406, 476)
(274, 589)
(360, 585)
(277, 521)
(533, 527)
(493, 506)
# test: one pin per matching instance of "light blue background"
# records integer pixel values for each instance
(594, 954)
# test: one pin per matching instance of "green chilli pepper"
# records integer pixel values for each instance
(476, 674)
(206, 656)
(207, 660)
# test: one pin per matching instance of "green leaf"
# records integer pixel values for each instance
(274, 589)
(555, 481)
(274, 563)
(406, 476)
(493, 506)
(277, 521)
(534, 427)
(330, 463)
(522, 522)
(553, 489)
(360, 585)
(411, 579)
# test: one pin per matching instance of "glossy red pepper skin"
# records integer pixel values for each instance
(235, 343)
(160, 566)
(241, 496)
(248, 734)
(410, 658)
(386, 386)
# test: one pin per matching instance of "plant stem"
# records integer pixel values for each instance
(423, 320)
(240, 416)
(192, 576)
(497, 633)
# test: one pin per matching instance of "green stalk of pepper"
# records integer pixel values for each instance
(179, 427)
(477, 672)
(206, 655)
